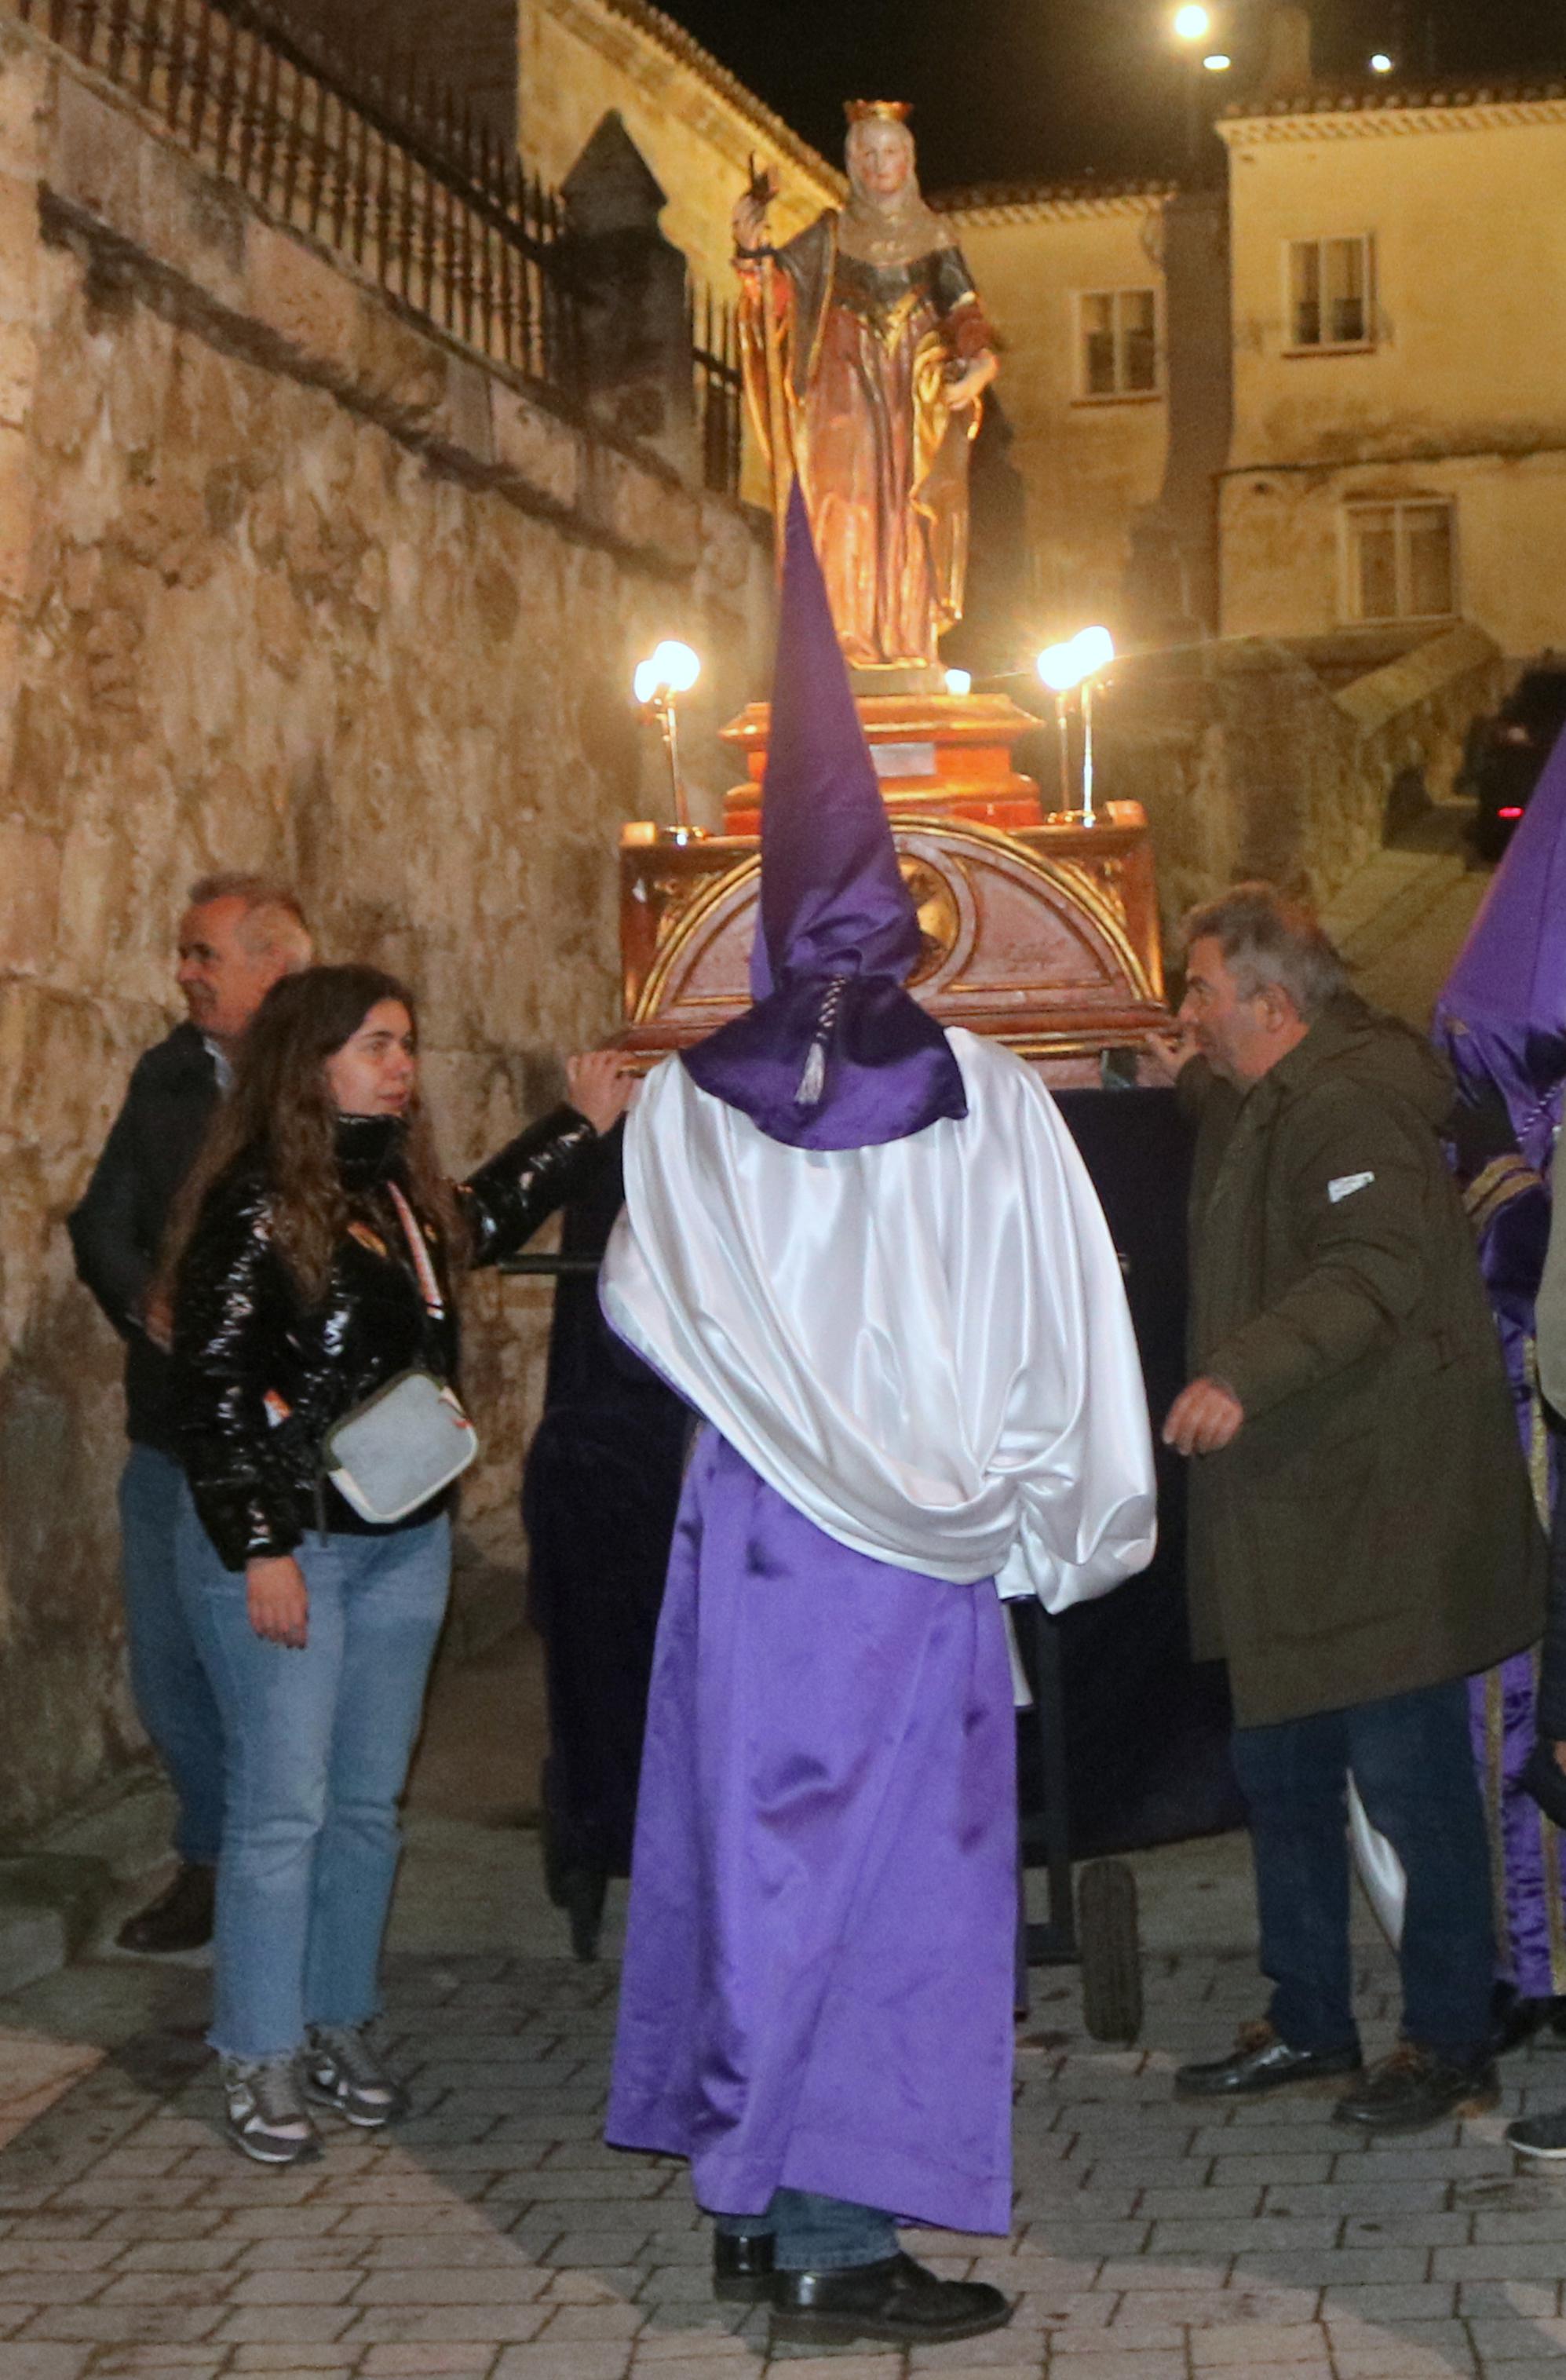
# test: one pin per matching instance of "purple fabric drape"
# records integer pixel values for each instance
(818, 1982)
(1501, 1021)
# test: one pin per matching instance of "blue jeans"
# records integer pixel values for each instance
(1411, 1761)
(812, 2234)
(319, 1743)
(174, 1697)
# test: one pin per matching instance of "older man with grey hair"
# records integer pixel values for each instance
(1363, 1535)
(238, 935)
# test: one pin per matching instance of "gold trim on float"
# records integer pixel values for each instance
(650, 998)
(1073, 879)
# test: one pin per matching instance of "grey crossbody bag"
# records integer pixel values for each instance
(411, 1438)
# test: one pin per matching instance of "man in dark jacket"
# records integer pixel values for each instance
(1363, 1535)
(239, 934)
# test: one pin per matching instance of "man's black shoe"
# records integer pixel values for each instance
(898, 2301)
(1515, 2018)
(742, 2266)
(1414, 2087)
(181, 1919)
(1261, 2063)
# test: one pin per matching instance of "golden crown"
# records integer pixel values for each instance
(883, 111)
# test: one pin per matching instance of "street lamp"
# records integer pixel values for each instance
(1068, 668)
(1381, 63)
(670, 669)
(1219, 63)
(959, 682)
(1190, 26)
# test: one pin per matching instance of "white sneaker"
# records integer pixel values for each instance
(267, 2117)
(342, 2072)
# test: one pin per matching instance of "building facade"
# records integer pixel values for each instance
(1074, 280)
(1398, 303)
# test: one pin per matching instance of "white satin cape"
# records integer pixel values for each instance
(924, 1347)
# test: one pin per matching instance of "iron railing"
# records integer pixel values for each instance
(720, 404)
(401, 182)
(385, 169)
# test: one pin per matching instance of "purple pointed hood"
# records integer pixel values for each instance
(833, 1053)
(1502, 1014)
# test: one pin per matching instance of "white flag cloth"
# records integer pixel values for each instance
(924, 1347)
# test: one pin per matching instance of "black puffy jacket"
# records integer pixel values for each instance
(243, 1333)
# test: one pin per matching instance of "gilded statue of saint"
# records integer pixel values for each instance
(866, 354)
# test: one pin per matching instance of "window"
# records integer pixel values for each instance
(1120, 342)
(1329, 294)
(1400, 561)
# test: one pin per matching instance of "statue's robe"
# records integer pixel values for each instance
(883, 459)
(920, 1386)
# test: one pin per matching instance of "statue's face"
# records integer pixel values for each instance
(880, 158)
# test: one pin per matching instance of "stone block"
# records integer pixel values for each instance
(299, 298)
(540, 449)
(34, 2360)
(25, 93)
(48, 1904)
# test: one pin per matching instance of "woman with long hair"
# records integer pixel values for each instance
(313, 1260)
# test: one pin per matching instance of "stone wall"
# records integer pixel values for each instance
(284, 583)
(1254, 764)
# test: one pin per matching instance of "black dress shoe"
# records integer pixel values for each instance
(1515, 2018)
(742, 2265)
(181, 1919)
(898, 2301)
(1414, 2087)
(1260, 2063)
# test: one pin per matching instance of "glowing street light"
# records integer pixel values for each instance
(670, 669)
(1219, 63)
(959, 682)
(1192, 24)
(1065, 669)
(1381, 63)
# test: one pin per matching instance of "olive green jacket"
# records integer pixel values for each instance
(1370, 1529)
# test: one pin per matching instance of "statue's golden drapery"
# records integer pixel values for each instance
(865, 352)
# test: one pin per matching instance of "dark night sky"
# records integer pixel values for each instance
(1026, 88)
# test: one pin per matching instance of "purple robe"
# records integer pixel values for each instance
(1502, 1020)
(1508, 1207)
(818, 1971)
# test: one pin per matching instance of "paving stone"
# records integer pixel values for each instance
(447, 2325)
(1534, 2261)
(277, 2326)
(668, 2349)
(1504, 2340)
(118, 2325)
(19, 2255)
(177, 2255)
(463, 2363)
(513, 2284)
(172, 2363)
(20, 2362)
(1238, 2348)
(596, 2321)
(1116, 2364)
(297, 2356)
(292, 2284)
(586, 2360)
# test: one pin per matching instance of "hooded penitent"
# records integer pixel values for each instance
(1501, 1018)
(833, 1053)
(868, 1255)
(1501, 1021)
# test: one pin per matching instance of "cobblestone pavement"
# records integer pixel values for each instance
(496, 2235)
